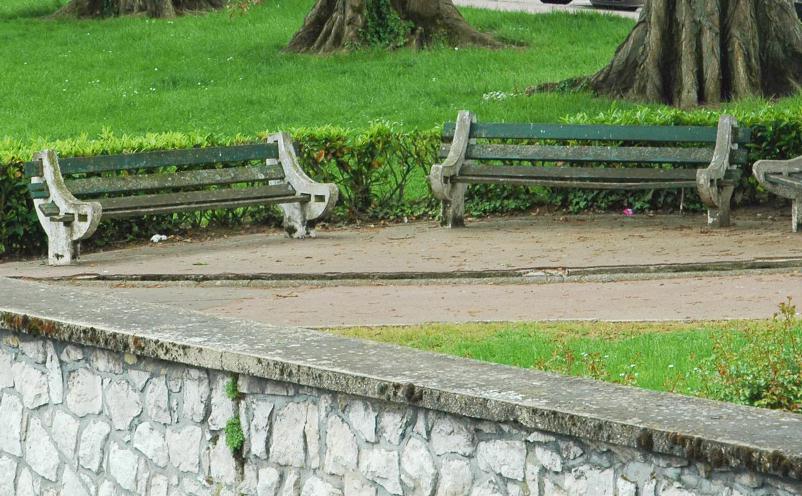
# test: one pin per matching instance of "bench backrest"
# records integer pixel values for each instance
(680, 145)
(174, 170)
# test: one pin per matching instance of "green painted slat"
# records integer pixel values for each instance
(150, 160)
(39, 191)
(32, 169)
(567, 183)
(560, 132)
(49, 209)
(218, 197)
(138, 212)
(184, 179)
(578, 173)
(549, 153)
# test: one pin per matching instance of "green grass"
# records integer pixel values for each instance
(657, 356)
(225, 72)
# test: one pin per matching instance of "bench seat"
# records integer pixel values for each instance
(590, 157)
(783, 178)
(72, 195)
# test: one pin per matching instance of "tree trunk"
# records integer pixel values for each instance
(334, 25)
(692, 52)
(152, 8)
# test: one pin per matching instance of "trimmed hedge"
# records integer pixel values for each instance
(380, 172)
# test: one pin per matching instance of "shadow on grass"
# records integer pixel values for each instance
(28, 9)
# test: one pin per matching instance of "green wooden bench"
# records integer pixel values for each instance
(72, 195)
(783, 178)
(590, 157)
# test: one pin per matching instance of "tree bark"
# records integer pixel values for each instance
(152, 8)
(334, 25)
(694, 52)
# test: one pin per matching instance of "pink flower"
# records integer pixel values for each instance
(628, 212)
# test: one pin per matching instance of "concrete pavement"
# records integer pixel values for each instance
(537, 7)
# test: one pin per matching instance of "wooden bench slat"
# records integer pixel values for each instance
(39, 191)
(578, 184)
(169, 209)
(564, 132)
(549, 153)
(182, 179)
(151, 160)
(194, 198)
(578, 173)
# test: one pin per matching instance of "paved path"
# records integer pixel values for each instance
(691, 298)
(542, 242)
(607, 244)
(537, 7)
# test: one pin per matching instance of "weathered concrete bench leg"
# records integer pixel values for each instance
(720, 216)
(65, 219)
(796, 213)
(300, 218)
(453, 210)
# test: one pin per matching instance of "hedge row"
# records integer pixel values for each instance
(380, 171)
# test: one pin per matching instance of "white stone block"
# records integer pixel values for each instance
(158, 485)
(122, 403)
(55, 382)
(25, 483)
(72, 484)
(40, 453)
(156, 401)
(223, 467)
(312, 437)
(548, 459)
(123, 466)
(183, 444)
(8, 473)
(35, 349)
(268, 484)
(341, 448)
(487, 488)
(362, 418)
(222, 406)
(392, 425)
(451, 436)
(138, 378)
(11, 422)
(6, 364)
(31, 383)
(291, 485)
(260, 427)
(196, 394)
(106, 361)
(65, 433)
(355, 485)
(504, 457)
(90, 449)
(84, 392)
(418, 470)
(626, 488)
(287, 441)
(317, 487)
(381, 466)
(456, 478)
(72, 353)
(151, 442)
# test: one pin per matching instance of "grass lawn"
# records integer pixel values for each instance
(226, 73)
(657, 356)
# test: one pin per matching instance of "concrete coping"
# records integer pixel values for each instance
(719, 434)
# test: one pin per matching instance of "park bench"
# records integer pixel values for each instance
(783, 178)
(72, 195)
(590, 157)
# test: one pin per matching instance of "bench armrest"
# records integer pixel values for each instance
(707, 180)
(763, 168)
(84, 216)
(439, 174)
(323, 196)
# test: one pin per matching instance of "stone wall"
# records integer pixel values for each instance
(77, 420)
